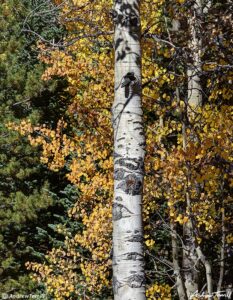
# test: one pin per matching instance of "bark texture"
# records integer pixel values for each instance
(222, 253)
(195, 68)
(190, 257)
(129, 151)
(177, 271)
(192, 253)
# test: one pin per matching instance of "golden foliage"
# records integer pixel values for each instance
(199, 172)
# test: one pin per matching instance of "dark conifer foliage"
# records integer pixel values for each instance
(28, 200)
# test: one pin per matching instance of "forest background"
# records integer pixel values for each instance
(56, 145)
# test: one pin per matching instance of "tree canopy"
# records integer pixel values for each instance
(187, 115)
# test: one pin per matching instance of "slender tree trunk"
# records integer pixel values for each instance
(193, 252)
(175, 257)
(129, 151)
(222, 253)
(190, 275)
(190, 258)
(208, 271)
(195, 68)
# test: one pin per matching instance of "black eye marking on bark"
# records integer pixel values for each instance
(138, 128)
(127, 82)
(136, 281)
(134, 256)
(119, 211)
(132, 164)
(130, 83)
(119, 174)
(131, 185)
(118, 198)
(128, 79)
(136, 238)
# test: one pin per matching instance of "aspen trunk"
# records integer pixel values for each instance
(208, 272)
(222, 252)
(194, 69)
(187, 284)
(190, 258)
(192, 254)
(129, 152)
(175, 258)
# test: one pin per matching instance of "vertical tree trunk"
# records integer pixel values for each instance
(222, 252)
(192, 253)
(190, 258)
(129, 151)
(194, 69)
(175, 258)
(208, 271)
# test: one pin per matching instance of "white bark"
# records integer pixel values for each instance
(193, 252)
(208, 272)
(187, 284)
(129, 151)
(222, 253)
(194, 69)
(175, 253)
(190, 258)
